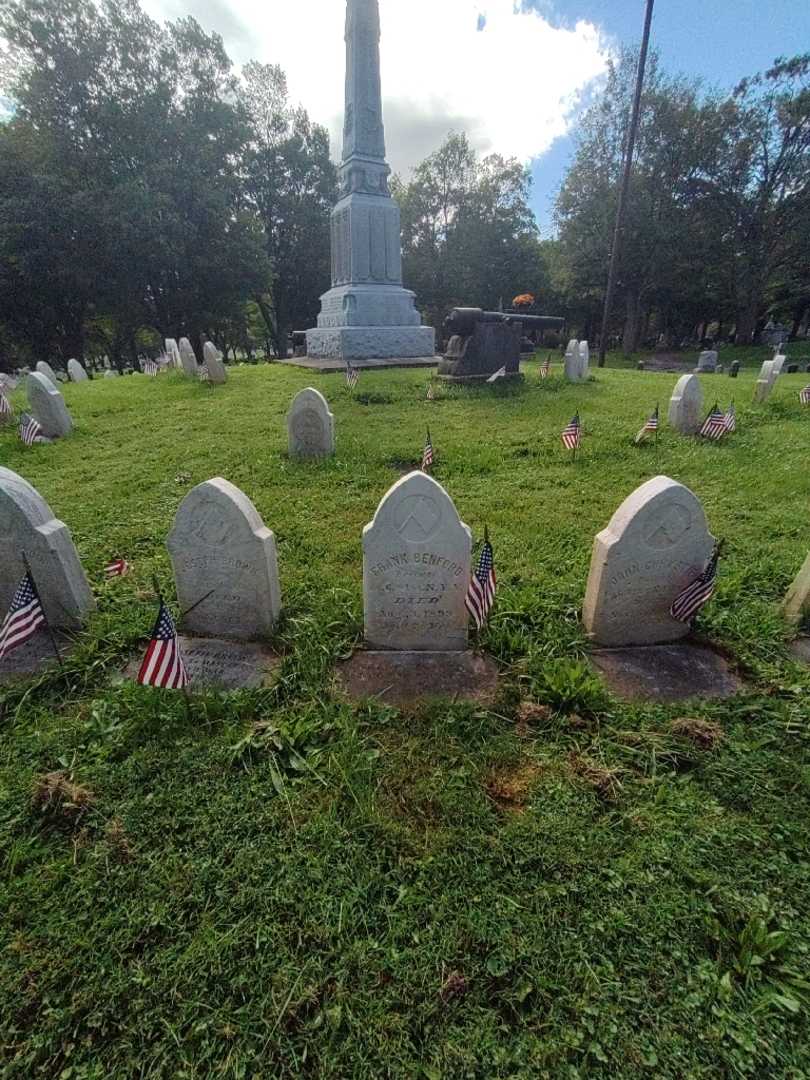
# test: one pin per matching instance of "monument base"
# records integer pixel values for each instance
(674, 672)
(406, 678)
(371, 342)
(34, 656)
(313, 363)
(213, 663)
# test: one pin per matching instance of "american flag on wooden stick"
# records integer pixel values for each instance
(804, 396)
(352, 375)
(545, 370)
(24, 617)
(650, 428)
(698, 593)
(117, 568)
(427, 453)
(163, 664)
(572, 434)
(714, 426)
(481, 593)
(730, 419)
(30, 430)
(149, 367)
(6, 411)
(499, 374)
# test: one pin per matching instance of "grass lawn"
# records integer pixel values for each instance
(282, 885)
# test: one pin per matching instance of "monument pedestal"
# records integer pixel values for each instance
(371, 343)
(406, 678)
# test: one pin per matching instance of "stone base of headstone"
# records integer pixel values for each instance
(325, 366)
(406, 678)
(674, 672)
(34, 657)
(215, 664)
(510, 376)
(801, 650)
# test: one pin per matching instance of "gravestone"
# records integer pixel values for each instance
(27, 524)
(779, 362)
(218, 542)
(173, 352)
(797, 600)
(686, 405)
(48, 406)
(416, 570)
(188, 361)
(765, 382)
(584, 361)
(213, 362)
(45, 369)
(657, 542)
(111, 374)
(707, 362)
(734, 370)
(310, 426)
(572, 361)
(76, 372)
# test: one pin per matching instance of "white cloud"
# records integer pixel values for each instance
(512, 86)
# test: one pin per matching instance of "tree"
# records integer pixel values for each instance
(291, 183)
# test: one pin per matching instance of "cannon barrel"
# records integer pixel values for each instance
(463, 320)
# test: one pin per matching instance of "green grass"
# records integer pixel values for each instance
(282, 885)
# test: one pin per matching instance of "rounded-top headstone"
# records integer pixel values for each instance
(416, 570)
(573, 362)
(45, 369)
(686, 405)
(219, 542)
(76, 372)
(310, 426)
(111, 374)
(217, 372)
(173, 352)
(657, 542)
(48, 406)
(188, 361)
(27, 525)
(584, 360)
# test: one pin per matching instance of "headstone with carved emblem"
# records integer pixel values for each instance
(310, 426)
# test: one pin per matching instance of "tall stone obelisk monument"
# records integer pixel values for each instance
(367, 313)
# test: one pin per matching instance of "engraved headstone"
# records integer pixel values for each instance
(416, 570)
(797, 601)
(213, 362)
(779, 362)
(48, 406)
(188, 361)
(657, 542)
(27, 524)
(686, 405)
(572, 362)
(707, 362)
(310, 426)
(45, 369)
(765, 382)
(76, 372)
(218, 542)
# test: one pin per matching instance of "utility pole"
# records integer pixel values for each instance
(625, 185)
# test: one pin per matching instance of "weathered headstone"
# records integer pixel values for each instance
(111, 374)
(707, 362)
(686, 405)
(188, 361)
(416, 570)
(218, 542)
(734, 370)
(584, 361)
(310, 426)
(765, 382)
(572, 362)
(27, 525)
(48, 406)
(779, 362)
(797, 601)
(76, 372)
(173, 352)
(213, 362)
(45, 369)
(657, 542)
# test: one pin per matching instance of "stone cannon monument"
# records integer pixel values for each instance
(482, 342)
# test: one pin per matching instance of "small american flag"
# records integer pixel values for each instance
(30, 430)
(352, 375)
(650, 428)
(6, 411)
(163, 664)
(499, 374)
(730, 419)
(149, 367)
(24, 617)
(545, 370)
(572, 435)
(697, 594)
(430, 395)
(715, 424)
(427, 453)
(117, 568)
(804, 396)
(481, 593)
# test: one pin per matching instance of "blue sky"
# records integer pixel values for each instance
(719, 41)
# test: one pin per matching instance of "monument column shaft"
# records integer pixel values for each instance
(363, 131)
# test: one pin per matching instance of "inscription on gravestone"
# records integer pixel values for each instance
(310, 426)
